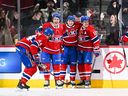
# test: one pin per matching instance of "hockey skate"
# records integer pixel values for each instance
(87, 84)
(47, 84)
(59, 84)
(73, 84)
(81, 84)
(23, 86)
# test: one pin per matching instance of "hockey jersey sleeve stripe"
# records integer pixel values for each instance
(95, 39)
(87, 38)
(35, 44)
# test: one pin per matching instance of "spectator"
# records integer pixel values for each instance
(32, 23)
(77, 16)
(47, 12)
(5, 35)
(90, 13)
(73, 4)
(113, 8)
(2, 25)
(66, 11)
(125, 12)
(42, 3)
(112, 38)
(101, 24)
(101, 27)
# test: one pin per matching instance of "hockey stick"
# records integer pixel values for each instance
(93, 65)
(124, 53)
(122, 43)
(94, 59)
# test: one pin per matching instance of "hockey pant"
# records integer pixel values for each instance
(69, 57)
(25, 57)
(55, 60)
(84, 64)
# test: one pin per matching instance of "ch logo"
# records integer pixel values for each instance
(2, 62)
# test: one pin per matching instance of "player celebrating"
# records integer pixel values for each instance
(88, 42)
(70, 53)
(23, 49)
(52, 51)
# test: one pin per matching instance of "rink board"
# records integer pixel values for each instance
(112, 65)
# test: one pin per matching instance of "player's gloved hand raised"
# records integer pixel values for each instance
(97, 52)
(36, 58)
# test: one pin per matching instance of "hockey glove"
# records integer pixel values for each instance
(42, 67)
(96, 52)
(62, 49)
(36, 58)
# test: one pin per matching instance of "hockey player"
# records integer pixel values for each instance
(52, 51)
(46, 57)
(23, 49)
(70, 51)
(88, 43)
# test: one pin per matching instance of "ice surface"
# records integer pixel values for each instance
(64, 92)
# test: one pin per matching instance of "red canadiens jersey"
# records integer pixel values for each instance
(38, 44)
(53, 46)
(125, 37)
(26, 42)
(70, 35)
(88, 39)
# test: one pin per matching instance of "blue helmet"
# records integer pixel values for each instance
(71, 18)
(84, 18)
(48, 31)
(56, 14)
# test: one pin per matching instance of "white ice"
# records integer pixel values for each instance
(64, 92)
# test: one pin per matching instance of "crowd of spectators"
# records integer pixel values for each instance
(35, 12)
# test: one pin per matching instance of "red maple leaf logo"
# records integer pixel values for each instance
(114, 62)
